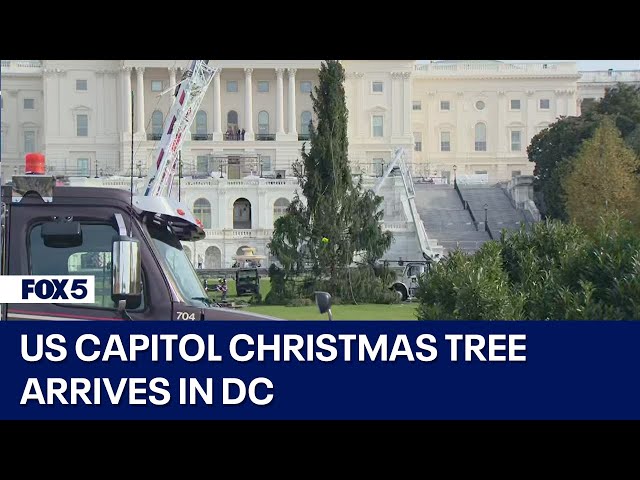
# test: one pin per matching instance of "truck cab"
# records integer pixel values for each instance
(130, 244)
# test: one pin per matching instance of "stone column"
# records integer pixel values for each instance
(531, 115)
(217, 108)
(172, 77)
(279, 102)
(126, 99)
(406, 103)
(248, 105)
(396, 99)
(140, 127)
(293, 129)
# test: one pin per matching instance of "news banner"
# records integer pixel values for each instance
(309, 370)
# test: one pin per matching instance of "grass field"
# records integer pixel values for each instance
(367, 311)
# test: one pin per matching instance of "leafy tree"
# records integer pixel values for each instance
(602, 178)
(334, 220)
(622, 102)
(553, 148)
(550, 149)
(555, 271)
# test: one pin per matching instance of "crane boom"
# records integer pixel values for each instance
(188, 96)
(409, 202)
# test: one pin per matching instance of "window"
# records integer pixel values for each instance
(83, 167)
(305, 87)
(29, 141)
(445, 105)
(515, 104)
(378, 167)
(480, 105)
(305, 120)
(156, 124)
(445, 141)
(280, 208)
(29, 103)
(544, 104)
(202, 211)
(93, 257)
(378, 123)
(81, 85)
(207, 164)
(232, 120)
(481, 137)
(416, 105)
(480, 172)
(156, 85)
(82, 125)
(265, 161)
(263, 86)
(418, 141)
(515, 173)
(263, 123)
(232, 86)
(516, 140)
(201, 122)
(377, 87)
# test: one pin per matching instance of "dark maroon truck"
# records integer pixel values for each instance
(130, 244)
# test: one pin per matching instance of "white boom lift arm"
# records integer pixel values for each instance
(188, 96)
(409, 202)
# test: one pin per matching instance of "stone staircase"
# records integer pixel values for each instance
(446, 219)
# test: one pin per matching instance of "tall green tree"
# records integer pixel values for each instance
(622, 102)
(603, 178)
(335, 219)
(552, 149)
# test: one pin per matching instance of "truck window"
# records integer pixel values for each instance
(93, 257)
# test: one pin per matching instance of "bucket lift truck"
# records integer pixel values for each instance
(407, 284)
(129, 243)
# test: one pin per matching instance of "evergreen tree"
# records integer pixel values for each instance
(334, 220)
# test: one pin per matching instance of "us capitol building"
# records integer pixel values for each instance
(471, 120)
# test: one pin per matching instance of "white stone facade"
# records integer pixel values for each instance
(453, 118)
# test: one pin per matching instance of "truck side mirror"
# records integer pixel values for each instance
(323, 300)
(127, 272)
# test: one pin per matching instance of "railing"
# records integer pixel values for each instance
(471, 68)
(20, 65)
(610, 76)
(223, 233)
(265, 137)
(242, 183)
(199, 137)
(154, 136)
(233, 137)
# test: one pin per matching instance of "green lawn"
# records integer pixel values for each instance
(367, 311)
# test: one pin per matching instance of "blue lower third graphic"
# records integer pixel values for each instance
(319, 370)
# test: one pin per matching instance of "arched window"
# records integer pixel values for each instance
(212, 257)
(280, 208)
(202, 211)
(481, 137)
(242, 214)
(201, 122)
(156, 124)
(263, 123)
(305, 119)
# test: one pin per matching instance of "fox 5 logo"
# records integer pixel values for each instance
(47, 289)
